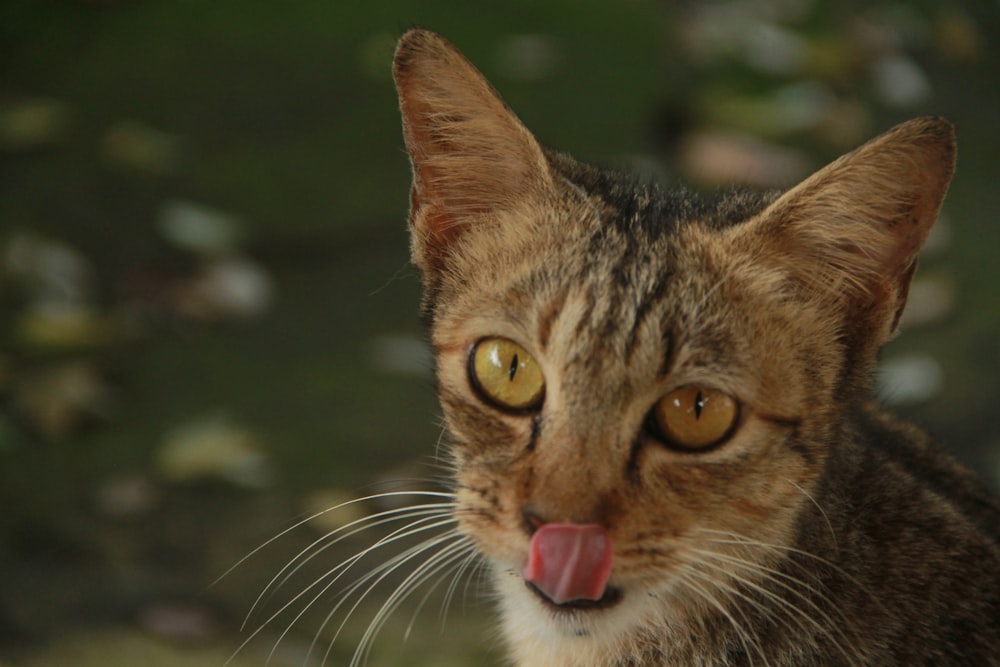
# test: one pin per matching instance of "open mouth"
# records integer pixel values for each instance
(611, 597)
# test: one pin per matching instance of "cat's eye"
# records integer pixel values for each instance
(695, 418)
(506, 374)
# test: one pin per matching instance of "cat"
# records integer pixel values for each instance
(663, 442)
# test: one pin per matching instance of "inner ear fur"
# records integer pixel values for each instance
(851, 232)
(471, 156)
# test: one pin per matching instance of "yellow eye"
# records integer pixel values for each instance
(505, 374)
(695, 418)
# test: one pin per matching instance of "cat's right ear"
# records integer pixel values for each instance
(851, 232)
(471, 156)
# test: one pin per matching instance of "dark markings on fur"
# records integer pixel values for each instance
(548, 316)
(669, 350)
(792, 441)
(584, 325)
(646, 305)
(632, 465)
(924, 462)
(889, 554)
(536, 429)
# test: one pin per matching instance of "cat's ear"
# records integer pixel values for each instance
(853, 229)
(470, 154)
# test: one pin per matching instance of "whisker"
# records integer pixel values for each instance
(427, 594)
(428, 510)
(692, 579)
(338, 571)
(315, 515)
(759, 568)
(839, 628)
(437, 445)
(829, 630)
(479, 573)
(741, 540)
(378, 574)
(441, 560)
(829, 525)
(472, 558)
(344, 567)
(469, 557)
(387, 517)
(708, 294)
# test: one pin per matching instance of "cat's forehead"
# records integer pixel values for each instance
(620, 243)
(607, 273)
(649, 210)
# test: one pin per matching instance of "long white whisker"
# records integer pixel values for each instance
(693, 580)
(836, 629)
(468, 556)
(400, 533)
(831, 630)
(471, 558)
(342, 568)
(298, 524)
(829, 525)
(378, 574)
(338, 571)
(712, 290)
(441, 560)
(775, 577)
(437, 445)
(302, 522)
(787, 606)
(427, 594)
(356, 526)
(746, 542)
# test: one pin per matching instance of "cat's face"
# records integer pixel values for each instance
(660, 375)
(620, 320)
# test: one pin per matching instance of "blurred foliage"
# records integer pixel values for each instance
(207, 322)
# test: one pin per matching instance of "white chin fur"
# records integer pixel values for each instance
(541, 637)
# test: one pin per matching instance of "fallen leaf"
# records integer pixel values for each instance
(127, 497)
(138, 146)
(908, 380)
(226, 288)
(31, 124)
(213, 447)
(59, 400)
(331, 509)
(179, 622)
(200, 229)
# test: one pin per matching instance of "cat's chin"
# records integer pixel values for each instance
(582, 632)
(612, 596)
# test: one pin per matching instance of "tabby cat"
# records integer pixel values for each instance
(663, 441)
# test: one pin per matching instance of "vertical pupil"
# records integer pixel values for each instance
(699, 403)
(513, 367)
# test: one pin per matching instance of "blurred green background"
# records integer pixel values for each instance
(207, 320)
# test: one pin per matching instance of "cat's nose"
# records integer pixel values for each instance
(532, 519)
(535, 515)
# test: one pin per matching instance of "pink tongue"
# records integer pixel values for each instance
(569, 561)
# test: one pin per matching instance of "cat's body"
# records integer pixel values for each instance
(682, 387)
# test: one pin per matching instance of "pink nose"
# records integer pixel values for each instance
(569, 561)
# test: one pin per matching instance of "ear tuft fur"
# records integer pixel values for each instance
(853, 229)
(470, 154)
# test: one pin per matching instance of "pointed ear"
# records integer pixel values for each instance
(852, 230)
(470, 154)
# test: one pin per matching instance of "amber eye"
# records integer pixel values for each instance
(505, 374)
(693, 418)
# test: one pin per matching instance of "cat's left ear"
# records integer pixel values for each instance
(851, 232)
(471, 156)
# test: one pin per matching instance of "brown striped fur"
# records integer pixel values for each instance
(823, 532)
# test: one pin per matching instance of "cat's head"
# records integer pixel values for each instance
(668, 370)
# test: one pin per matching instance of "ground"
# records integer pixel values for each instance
(208, 323)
